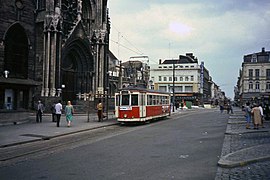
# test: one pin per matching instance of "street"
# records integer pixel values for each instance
(184, 146)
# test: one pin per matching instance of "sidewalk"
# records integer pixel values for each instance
(31, 131)
(246, 152)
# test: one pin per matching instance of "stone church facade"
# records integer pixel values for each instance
(52, 49)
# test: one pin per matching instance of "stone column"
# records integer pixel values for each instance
(99, 76)
(47, 63)
(44, 65)
(53, 64)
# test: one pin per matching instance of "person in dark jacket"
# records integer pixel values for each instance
(40, 109)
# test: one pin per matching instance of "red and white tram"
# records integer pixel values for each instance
(138, 105)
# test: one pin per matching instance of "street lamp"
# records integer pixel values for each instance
(6, 73)
(59, 90)
(173, 84)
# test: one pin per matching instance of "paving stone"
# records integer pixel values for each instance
(237, 138)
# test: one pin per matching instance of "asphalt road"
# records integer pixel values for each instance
(186, 146)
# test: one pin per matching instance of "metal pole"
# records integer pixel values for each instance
(107, 104)
(173, 84)
(88, 109)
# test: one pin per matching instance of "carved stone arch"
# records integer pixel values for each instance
(77, 69)
(88, 10)
(16, 51)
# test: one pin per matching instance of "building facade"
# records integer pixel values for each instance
(254, 78)
(124, 74)
(52, 49)
(188, 80)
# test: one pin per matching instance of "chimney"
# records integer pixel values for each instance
(263, 49)
(190, 55)
(160, 61)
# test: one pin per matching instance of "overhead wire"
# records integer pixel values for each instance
(137, 49)
(116, 42)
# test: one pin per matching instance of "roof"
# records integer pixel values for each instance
(182, 60)
(259, 57)
(132, 88)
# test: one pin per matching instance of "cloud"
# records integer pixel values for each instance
(218, 32)
(180, 29)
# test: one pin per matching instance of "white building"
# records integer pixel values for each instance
(254, 81)
(187, 78)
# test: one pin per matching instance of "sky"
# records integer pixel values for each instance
(218, 32)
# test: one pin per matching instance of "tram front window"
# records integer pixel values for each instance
(125, 100)
(134, 100)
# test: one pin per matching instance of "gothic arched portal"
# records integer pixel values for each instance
(76, 70)
(16, 52)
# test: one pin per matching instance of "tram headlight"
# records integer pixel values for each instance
(125, 115)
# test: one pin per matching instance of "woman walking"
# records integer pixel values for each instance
(69, 111)
(257, 117)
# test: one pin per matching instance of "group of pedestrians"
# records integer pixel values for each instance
(57, 110)
(227, 107)
(254, 114)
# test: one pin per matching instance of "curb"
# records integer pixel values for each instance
(230, 164)
(239, 122)
(226, 163)
(15, 123)
(246, 132)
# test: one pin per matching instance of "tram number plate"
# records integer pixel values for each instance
(125, 108)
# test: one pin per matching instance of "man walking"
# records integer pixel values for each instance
(53, 113)
(40, 109)
(58, 112)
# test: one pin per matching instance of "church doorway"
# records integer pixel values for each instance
(77, 71)
(14, 92)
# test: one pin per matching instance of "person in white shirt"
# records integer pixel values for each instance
(261, 110)
(58, 112)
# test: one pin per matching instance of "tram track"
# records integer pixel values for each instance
(28, 150)
(36, 149)
(21, 152)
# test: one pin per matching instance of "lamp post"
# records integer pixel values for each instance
(107, 102)
(88, 109)
(173, 85)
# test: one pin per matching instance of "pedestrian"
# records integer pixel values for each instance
(221, 108)
(100, 110)
(267, 112)
(69, 111)
(229, 109)
(232, 109)
(58, 112)
(257, 117)
(53, 113)
(177, 105)
(247, 110)
(40, 110)
(262, 114)
(182, 105)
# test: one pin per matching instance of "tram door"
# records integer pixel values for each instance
(142, 105)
